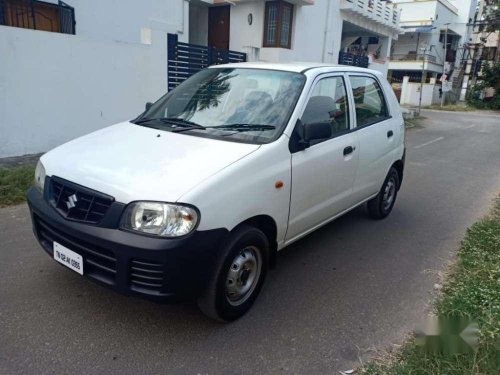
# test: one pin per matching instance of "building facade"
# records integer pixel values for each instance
(358, 32)
(484, 46)
(434, 42)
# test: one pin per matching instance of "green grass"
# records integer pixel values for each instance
(451, 107)
(14, 182)
(415, 122)
(472, 290)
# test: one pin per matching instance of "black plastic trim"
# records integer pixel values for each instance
(195, 252)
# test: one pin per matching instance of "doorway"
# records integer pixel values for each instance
(218, 27)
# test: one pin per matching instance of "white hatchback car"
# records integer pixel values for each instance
(193, 198)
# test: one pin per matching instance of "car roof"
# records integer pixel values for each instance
(298, 67)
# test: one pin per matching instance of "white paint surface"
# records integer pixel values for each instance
(55, 87)
(410, 93)
(122, 20)
(130, 162)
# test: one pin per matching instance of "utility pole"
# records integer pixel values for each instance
(422, 78)
(443, 80)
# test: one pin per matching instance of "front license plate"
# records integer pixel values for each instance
(68, 257)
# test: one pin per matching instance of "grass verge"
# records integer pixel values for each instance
(14, 182)
(472, 290)
(451, 107)
(415, 122)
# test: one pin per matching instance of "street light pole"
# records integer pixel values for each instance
(443, 81)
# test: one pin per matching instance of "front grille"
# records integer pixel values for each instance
(146, 275)
(77, 202)
(98, 263)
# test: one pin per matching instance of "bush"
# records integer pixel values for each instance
(489, 78)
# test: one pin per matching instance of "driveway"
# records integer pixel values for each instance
(350, 287)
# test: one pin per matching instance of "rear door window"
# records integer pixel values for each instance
(369, 101)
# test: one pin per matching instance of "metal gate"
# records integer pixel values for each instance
(186, 59)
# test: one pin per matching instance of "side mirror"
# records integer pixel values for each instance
(303, 134)
(148, 105)
(318, 130)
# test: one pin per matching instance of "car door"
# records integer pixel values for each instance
(323, 174)
(376, 134)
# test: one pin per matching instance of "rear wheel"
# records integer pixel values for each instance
(239, 274)
(381, 206)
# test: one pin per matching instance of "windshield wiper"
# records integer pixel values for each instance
(245, 127)
(180, 124)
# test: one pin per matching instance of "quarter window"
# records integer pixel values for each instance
(328, 103)
(278, 24)
(368, 100)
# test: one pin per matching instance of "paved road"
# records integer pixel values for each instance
(352, 286)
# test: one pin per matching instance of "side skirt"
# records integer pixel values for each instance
(284, 244)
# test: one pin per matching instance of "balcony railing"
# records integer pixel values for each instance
(353, 60)
(379, 11)
(414, 57)
(38, 15)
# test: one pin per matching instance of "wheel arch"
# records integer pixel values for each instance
(268, 226)
(398, 165)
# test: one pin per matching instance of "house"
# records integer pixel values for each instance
(72, 67)
(484, 46)
(435, 32)
(353, 32)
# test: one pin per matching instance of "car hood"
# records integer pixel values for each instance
(132, 162)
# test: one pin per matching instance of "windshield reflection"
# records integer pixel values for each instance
(215, 100)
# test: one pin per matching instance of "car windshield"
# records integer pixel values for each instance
(245, 105)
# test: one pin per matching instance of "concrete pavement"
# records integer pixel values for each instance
(350, 287)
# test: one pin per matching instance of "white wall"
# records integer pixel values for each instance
(122, 20)
(308, 32)
(410, 93)
(416, 13)
(55, 87)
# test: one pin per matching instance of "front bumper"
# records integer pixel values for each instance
(156, 268)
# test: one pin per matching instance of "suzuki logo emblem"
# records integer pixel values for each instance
(72, 199)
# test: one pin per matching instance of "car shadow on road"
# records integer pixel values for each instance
(318, 287)
(305, 270)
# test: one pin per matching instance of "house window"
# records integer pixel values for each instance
(38, 15)
(278, 24)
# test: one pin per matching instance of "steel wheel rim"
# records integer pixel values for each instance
(389, 194)
(243, 275)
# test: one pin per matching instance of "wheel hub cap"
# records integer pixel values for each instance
(389, 194)
(243, 275)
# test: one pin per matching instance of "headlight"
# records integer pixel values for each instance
(161, 219)
(40, 176)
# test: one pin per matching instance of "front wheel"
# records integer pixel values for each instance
(239, 274)
(381, 206)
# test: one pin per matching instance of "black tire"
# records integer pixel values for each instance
(379, 207)
(216, 301)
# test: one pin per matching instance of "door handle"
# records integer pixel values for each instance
(349, 150)
(390, 134)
